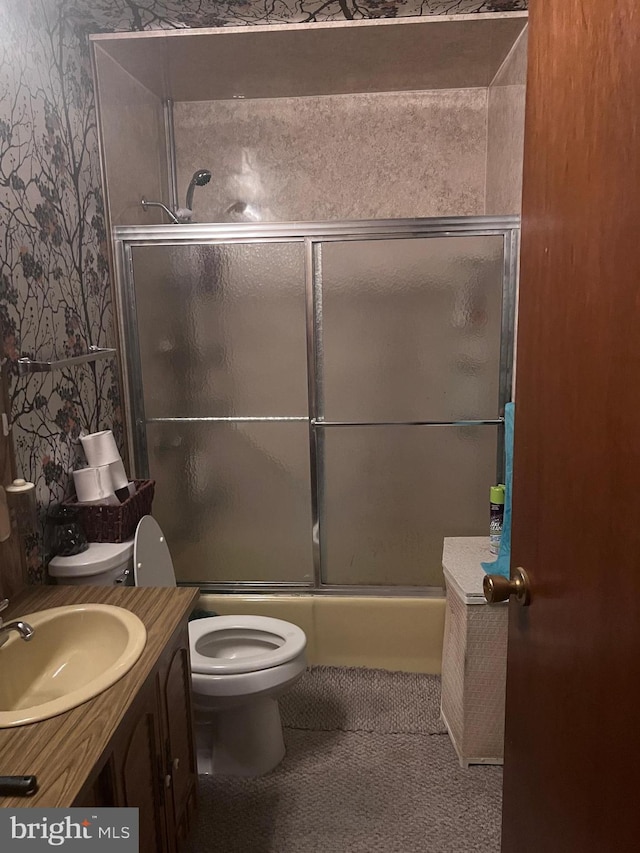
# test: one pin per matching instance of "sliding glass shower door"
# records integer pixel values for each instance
(223, 358)
(408, 350)
(319, 404)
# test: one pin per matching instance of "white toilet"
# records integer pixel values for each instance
(240, 665)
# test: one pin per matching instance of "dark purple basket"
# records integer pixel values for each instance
(115, 523)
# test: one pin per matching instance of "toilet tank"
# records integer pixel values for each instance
(102, 564)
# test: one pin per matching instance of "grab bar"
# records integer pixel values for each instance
(26, 365)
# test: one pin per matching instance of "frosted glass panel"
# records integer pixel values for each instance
(234, 499)
(411, 329)
(222, 329)
(392, 493)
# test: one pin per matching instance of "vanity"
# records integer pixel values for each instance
(131, 745)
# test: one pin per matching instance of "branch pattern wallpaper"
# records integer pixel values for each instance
(55, 294)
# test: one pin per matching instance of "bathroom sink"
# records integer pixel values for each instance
(75, 653)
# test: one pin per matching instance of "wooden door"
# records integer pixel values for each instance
(572, 755)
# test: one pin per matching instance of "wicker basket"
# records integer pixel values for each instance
(115, 523)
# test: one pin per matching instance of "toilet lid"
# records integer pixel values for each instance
(227, 645)
(152, 563)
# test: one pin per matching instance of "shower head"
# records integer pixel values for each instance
(199, 179)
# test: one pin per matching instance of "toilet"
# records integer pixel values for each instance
(240, 665)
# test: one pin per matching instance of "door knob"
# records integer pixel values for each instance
(498, 588)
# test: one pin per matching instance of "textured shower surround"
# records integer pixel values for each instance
(336, 157)
(55, 296)
(505, 137)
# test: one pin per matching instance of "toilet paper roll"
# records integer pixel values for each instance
(118, 475)
(100, 448)
(94, 485)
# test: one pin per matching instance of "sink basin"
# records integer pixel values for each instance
(76, 652)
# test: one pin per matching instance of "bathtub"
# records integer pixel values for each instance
(402, 634)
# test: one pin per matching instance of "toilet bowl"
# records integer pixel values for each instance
(240, 665)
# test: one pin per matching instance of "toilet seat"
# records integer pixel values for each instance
(228, 645)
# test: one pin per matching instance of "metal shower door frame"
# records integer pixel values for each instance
(312, 235)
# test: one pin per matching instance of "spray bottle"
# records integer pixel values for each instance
(496, 517)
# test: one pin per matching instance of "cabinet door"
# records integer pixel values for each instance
(175, 686)
(151, 765)
(101, 791)
(139, 769)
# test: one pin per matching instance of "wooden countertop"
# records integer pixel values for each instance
(63, 750)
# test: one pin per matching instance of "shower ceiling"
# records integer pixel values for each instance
(299, 60)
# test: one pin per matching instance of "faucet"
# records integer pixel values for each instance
(147, 204)
(25, 630)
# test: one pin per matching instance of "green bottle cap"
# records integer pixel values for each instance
(497, 494)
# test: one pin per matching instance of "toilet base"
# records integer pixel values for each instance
(245, 740)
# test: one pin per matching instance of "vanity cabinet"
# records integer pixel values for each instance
(149, 763)
(131, 745)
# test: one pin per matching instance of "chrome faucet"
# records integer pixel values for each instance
(25, 630)
(147, 204)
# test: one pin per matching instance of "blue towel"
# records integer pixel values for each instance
(503, 563)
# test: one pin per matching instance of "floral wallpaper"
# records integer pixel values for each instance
(55, 295)
(55, 298)
(170, 14)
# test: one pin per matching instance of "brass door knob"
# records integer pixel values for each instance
(498, 588)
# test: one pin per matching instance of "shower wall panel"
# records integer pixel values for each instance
(505, 143)
(359, 156)
(133, 144)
